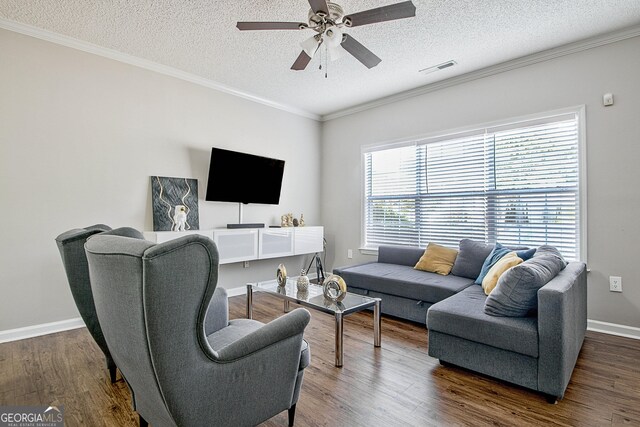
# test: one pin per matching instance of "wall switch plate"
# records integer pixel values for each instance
(607, 99)
(615, 283)
(349, 253)
(245, 264)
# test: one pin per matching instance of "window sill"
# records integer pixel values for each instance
(369, 251)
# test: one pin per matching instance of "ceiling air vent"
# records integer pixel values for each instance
(438, 67)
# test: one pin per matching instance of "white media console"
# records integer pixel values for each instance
(247, 244)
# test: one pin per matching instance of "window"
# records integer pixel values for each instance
(517, 184)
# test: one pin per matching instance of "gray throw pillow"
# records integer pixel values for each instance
(516, 293)
(470, 258)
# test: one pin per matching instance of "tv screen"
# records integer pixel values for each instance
(244, 178)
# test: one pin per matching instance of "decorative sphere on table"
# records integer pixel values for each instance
(281, 275)
(303, 282)
(334, 288)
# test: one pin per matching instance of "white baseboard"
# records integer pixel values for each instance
(43, 329)
(65, 325)
(613, 329)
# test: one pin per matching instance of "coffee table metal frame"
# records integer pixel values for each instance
(314, 299)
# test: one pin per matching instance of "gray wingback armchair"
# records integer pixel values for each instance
(71, 247)
(185, 368)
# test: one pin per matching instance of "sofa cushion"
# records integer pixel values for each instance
(402, 281)
(516, 293)
(470, 258)
(498, 252)
(401, 255)
(462, 315)
(437, 259)
(526, 254)
(499, 268)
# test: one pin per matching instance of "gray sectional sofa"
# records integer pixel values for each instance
(405, 292)
(538, 351)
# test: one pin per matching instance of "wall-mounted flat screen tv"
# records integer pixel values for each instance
(244, 178)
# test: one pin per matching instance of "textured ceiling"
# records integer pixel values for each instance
(199, 37)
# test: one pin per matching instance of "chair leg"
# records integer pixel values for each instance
(112, 373)
(292, 415)
(143, 422)
(111, 366)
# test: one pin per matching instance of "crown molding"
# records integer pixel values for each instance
(84, 46)
(524, 61)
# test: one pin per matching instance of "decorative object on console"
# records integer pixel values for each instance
(281, 275)
(296, 222)
(303, 281)
(334, 288)
(283, 221)
(167, 196)
(301, 224)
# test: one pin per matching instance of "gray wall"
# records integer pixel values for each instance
(613, 155)
(80, 135)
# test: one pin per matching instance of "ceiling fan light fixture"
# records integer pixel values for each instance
(336, 52)
(333, 36)
(310, 46)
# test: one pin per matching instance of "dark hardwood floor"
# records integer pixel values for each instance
(395, 385)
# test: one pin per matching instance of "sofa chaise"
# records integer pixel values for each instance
(537, 351)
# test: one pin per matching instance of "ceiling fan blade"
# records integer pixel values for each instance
(271, 26)
(361, 53)
(319, 6)
(302, 61)
(406, 9)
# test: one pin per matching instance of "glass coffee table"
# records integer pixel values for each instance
(315, 299)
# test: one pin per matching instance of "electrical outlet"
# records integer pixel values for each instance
(245, 264)
(349, 253)
(615, 283)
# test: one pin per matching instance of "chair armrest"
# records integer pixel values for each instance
(218, 312)
(562, 323)
(284, 327)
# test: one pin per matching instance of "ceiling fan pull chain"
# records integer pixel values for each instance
(326, 61)
(326, 65)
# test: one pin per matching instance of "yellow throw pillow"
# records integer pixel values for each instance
(437, 259)
(491, 279)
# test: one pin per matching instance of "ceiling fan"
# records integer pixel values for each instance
(328, 20)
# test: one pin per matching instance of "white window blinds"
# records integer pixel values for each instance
(517, 185)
